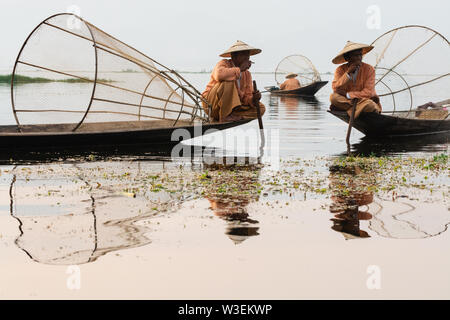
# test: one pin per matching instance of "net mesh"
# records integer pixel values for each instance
(81, 74)
(412, 67)
(300, 65)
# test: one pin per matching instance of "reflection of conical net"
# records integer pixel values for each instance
(399, 220)
(300, 65)
(81, 74)
(412, 67)
(83, 227)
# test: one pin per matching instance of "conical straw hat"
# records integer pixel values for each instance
(350, 46)
(240, 46)
(291, 75)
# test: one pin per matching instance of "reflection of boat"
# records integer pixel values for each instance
(308, 90)
(399, 123)
(400, 145)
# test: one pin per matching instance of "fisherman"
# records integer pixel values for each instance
(230, 91)
(354, 80)
(291, 83)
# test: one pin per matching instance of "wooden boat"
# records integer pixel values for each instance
(399, 123)
(127, 98)
(104, 133)
(309, 90)
(304, 69)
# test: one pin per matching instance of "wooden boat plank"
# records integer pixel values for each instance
(147, 133)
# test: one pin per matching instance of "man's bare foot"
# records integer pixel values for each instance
(232, 118)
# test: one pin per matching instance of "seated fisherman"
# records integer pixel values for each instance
(291, 83)
(354, 80)
(230, 89)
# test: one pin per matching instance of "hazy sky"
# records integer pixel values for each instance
(189, 35)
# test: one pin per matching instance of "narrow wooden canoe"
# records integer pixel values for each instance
(401, 123)
(309, 90)
(104, 133)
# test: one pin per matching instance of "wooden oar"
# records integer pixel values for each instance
(258, 109)
(261, 128)
(350, 124)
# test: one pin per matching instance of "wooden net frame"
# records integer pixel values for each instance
(98, 78)
(412, 66)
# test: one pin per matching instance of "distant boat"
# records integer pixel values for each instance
(309, 90)
(399, 123)
(307, 73)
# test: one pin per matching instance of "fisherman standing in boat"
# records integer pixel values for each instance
(230, 90)
(291, 83)
(354, 80)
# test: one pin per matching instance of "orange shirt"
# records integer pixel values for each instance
(363, 87)
(290, 84)
(226, 71)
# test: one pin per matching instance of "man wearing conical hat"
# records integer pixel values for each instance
(230, 91)
(354, 80)
(291, 83)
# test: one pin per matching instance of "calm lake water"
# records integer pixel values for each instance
(301, 127)
(139, 225)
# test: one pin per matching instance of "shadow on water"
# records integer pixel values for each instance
(401, 145)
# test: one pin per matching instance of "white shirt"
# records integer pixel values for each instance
(352, 77)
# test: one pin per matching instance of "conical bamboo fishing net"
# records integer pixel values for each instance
(300, 65)
(81, 74)
(412, 66)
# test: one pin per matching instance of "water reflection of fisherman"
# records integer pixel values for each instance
(346, 208)
(290, 102)
(347, 221)
(239, 226)
(232, 207)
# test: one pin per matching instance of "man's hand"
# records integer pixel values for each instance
(245, 65)
(353, 68)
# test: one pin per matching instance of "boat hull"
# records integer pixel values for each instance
(376, 125)
(309, 90)
(11, 138)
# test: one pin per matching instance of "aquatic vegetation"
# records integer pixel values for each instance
(163, 189)
(19, 79)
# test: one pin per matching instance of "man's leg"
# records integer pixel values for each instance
(365, 105)
(340, 102)
(223, 98)
(249, 112)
